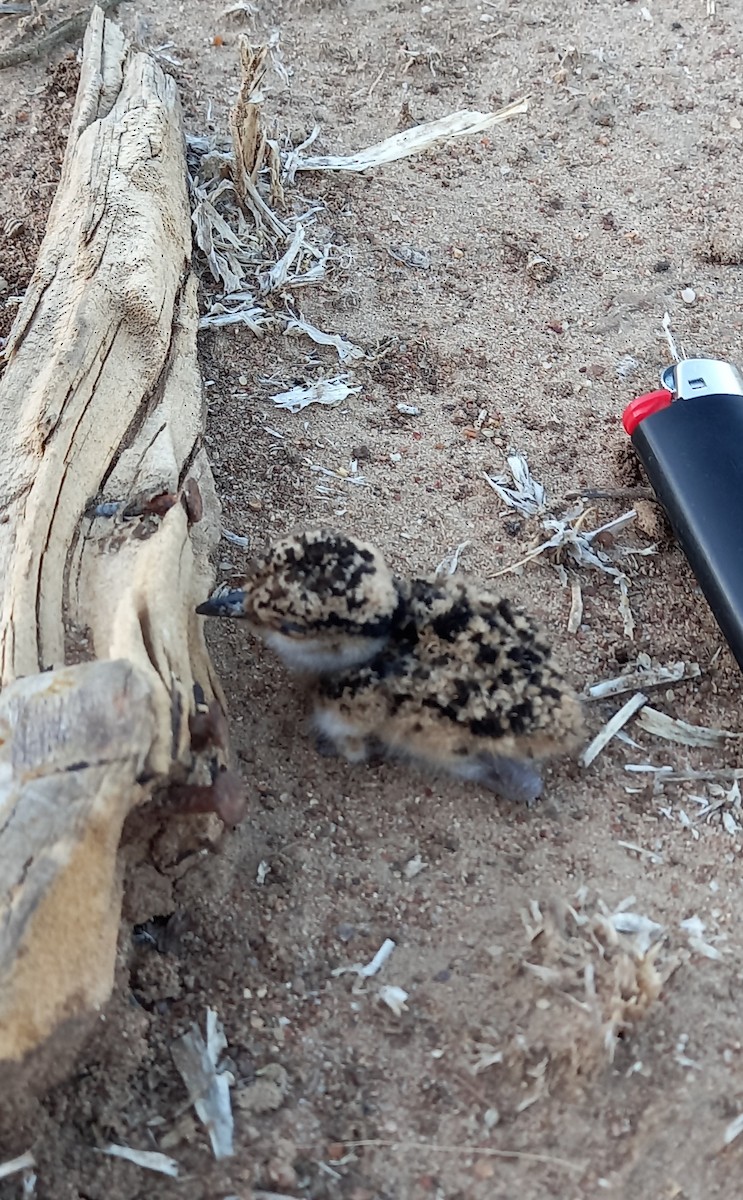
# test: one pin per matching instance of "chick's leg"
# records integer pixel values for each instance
(512, 778)
(353, 749)
(325, 745)
(335, 736)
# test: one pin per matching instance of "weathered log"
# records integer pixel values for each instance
(108, 517)
(73, 743)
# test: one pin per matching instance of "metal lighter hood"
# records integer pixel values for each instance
(699, 377)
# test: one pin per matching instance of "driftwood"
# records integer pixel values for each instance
(108, 517)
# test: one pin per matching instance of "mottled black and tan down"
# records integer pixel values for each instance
(321, 600)
(445, 672)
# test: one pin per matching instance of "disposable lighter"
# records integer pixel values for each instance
(689, 438)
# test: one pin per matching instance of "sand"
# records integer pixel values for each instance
(624, 178)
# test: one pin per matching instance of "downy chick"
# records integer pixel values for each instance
(322, 601)
(447, 674)
(467, 685)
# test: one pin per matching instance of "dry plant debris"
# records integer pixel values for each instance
(366, 970)
(197, 1062)
(409, 141)
(236, 539)
(450, 563)
(661, 725)
(612, 727)
(598, 972)
(722, 798)
(723, 802)
(394, 997)
(524, 493)
(24, 1162)
(733, 1130)
(727, 802)
(601, 970)
(641, 677)
(151, 1160)
(671, 775)
(324, 391)
(694, 929)
(448, 1149)
(237, 189)
(568, 543)
(673, 730)
(241, 8)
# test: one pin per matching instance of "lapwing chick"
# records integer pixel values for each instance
(324, 602)
(467, 685)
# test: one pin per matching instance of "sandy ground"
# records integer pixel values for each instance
(625, 179)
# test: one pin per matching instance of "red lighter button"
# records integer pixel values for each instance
(644, 406)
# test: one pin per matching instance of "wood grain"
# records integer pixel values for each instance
(100, 402)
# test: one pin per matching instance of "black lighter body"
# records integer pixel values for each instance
(689, 439)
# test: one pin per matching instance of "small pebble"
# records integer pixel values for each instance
(483, 1169)
(688, 295)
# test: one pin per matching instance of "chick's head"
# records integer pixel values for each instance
(323, 601)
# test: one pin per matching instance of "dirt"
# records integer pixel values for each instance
(494, 1080)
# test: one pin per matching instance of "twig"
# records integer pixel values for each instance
(380, 76)
(612, 727)
(576, 606)
(23, 1163)
(485, 1151)
(676, 355)
(620, 493)
(642, 678)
